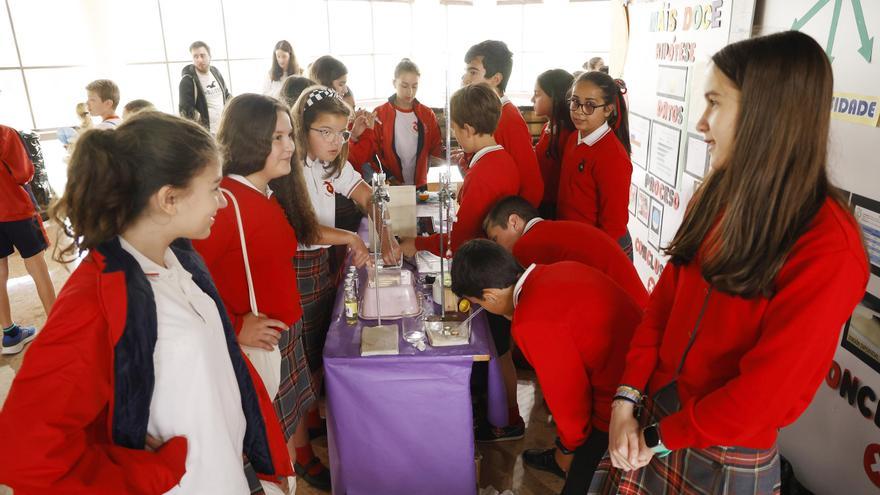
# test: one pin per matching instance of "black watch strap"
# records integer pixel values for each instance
(562, 447)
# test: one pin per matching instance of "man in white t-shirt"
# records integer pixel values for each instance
(202, 90)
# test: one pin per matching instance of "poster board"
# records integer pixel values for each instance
(669, 44)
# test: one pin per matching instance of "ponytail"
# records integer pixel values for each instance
(113, 173)
(613, 91)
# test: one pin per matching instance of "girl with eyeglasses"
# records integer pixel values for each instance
(321, 122)
(596, 169)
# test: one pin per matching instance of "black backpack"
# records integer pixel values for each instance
(39, 189)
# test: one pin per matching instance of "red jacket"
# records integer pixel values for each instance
(429, 140)
(491, 178)
(594, 184)
(361, 151)
(550, 166)
(15, 172)
(513, 133)
(550, 241)
(578, 353)
(755, 363)
(76, 416)
(271, 244)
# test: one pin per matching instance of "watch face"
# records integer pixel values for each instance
(652, 438)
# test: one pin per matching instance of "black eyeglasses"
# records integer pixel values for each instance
(329, 135)
(587, 107)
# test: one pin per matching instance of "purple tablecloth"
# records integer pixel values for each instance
(403, 424)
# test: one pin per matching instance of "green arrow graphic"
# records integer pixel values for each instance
(833, 31)
(799, 23)
(867, 48)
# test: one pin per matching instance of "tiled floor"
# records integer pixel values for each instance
(501, 465)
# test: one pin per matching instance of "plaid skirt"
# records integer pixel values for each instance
(714, 470)
(317, 293)
(296, 394)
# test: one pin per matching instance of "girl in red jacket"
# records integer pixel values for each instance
(407, 135)
(766, 267)
(136, 384)
(596, 169)
(550, 100)
(256, 140)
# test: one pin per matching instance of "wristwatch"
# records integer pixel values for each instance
(653, 441)
(562, 447)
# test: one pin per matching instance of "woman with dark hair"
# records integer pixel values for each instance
(136, 383)
(550, 100)
(283, 65)
(765, 269)
(330, 72)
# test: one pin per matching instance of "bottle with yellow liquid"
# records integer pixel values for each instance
(351, 305)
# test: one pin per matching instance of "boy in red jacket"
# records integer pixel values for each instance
(574, 325)
(491, 62)
(22, 229)
(517, 227)
(474, 111)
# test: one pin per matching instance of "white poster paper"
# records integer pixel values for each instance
(665, 144)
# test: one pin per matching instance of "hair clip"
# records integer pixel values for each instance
(621, 85)
(319, 94)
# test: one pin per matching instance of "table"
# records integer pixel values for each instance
(403, 424)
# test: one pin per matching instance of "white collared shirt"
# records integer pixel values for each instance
(242, 179)
(505, 100)
(519, 283)
(531, 223)
(594, 137)
(483, 152)
(323, 191)
(196, 393)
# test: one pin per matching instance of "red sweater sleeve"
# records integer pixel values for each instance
(224, 232)
(613, 176)
(15, 157)
(780, 374)
(477, 198)
(644, 349)
(360, 152)
(562, 376)
(49, 420)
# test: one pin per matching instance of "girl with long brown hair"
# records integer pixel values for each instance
(284, 65)
(764, 270)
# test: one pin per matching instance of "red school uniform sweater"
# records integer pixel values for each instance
(574, 326)
(513, 134)
(492, 177)
(594, 184)
(271, 244)
(550, 166)
(16, 170)
(552, 241)
(755, 363)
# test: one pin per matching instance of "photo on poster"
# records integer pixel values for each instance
(655, 225)
(643, 207)
(861, 335)
(867, 213)
(672, 82)
(639, 137)
(664, 149)
(697, 156)
(633, 196)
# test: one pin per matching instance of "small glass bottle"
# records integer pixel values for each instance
(351, 305)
